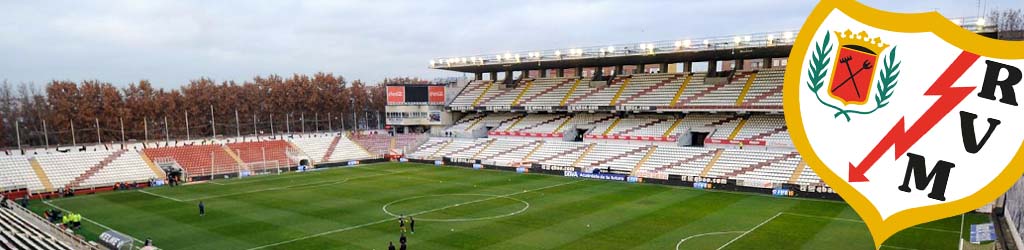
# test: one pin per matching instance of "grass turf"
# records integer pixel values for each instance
(460, 208)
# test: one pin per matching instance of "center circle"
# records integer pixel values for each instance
(460, 207)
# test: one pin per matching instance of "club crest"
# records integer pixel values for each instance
(853, 68)
(910, 118)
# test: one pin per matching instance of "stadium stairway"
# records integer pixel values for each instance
(641, 126)
(738, 128)
(644, 160)
(590, 147)
(619, 156)
(544, 92)
(612, 126)
(650, 89)
(797, 172)
(759, 165)
(474, 145)
(542, 123)
(746, 88)
(441, 148)
(593, 91)
(331, 148)
(679, 92)
(762, 135)
(724, 121)
(711, 163)
(567, 152)
(672, 128)
(682, 103)
(513, 149)
(95, 168)
(152, 166)
(618, 93)
(529, 84)
(562, 126)
(513, 125)
(231, 153)
(776, 90)
(486, 146)
(568, 94)
(476, 102)
(486, 101)
(540, 143)
(684, 161)
(38, 169)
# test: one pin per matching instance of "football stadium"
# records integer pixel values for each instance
(671, 144)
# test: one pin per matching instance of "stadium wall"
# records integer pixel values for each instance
(1014, 212)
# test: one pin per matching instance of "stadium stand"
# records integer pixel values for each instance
(758, 166)
(20, 229)
(258, 154)
(382, 144)
(18, 172)
(130, 166)
(197, 160)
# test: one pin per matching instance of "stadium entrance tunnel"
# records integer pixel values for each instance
(456, 207)
(697, 138)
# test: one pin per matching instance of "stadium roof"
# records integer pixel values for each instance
(758, 45)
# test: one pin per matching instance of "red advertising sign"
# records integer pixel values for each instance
(436, 94)
(396, 94)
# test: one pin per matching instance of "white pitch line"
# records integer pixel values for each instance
(748, 231)
(161, 196)
(413, 214)
(704, 234)
(92, 221)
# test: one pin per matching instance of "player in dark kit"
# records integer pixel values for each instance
(402, 239)
(391, 246)
(412, 225)
(401, 223)
(202, 209)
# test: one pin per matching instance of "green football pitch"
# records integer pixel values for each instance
(461, 208)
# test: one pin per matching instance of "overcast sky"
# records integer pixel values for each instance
(170, 42)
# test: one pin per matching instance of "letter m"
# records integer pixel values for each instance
(939, 174)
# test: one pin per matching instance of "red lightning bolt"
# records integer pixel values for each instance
(949, 97)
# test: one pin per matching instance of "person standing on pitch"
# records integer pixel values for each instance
(401, 240)
(401, 223)
(412, 225)
(202, 209)
(391, 245)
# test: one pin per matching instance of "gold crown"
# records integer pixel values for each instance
(862, 39)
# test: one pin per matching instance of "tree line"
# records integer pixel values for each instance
(94, 109)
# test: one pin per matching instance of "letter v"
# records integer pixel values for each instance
(967, 129)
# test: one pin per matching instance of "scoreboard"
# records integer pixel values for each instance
(415, 94)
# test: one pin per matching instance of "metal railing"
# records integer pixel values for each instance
(753, 40)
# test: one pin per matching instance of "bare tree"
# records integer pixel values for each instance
(1009, 23)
